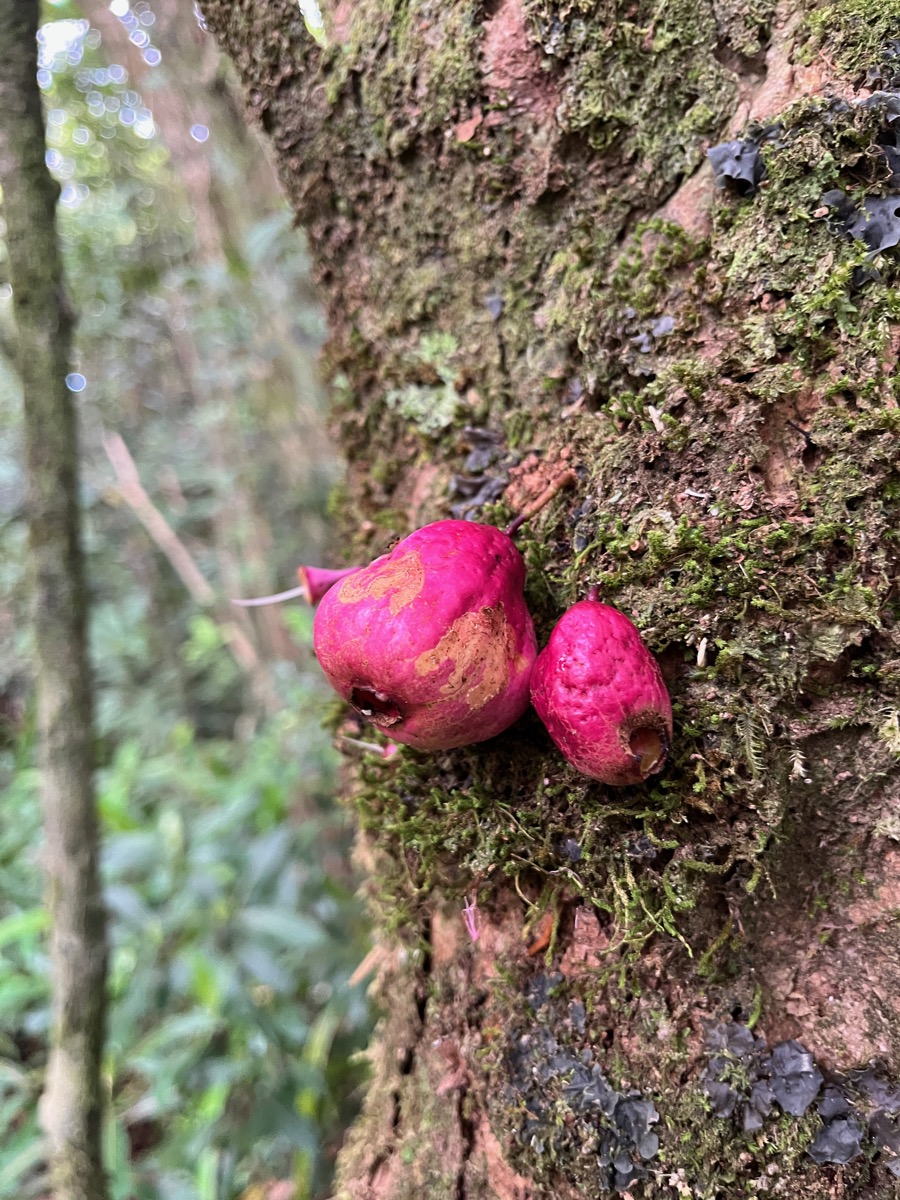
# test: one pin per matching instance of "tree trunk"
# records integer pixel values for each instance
(527, 262)
(72, 1103)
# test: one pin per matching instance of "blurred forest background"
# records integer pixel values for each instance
(234, 926)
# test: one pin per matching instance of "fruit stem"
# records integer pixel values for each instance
(314, 583)
(275, 598)
(386, 752)
(566, 479)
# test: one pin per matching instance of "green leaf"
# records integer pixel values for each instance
(18, 1159)
(131, 852)
(205, 982)
(207, 1175)
(18, 993)
(289, 928)
(189, 1027)
(24, 926)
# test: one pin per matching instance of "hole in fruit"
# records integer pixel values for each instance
(650, 748)
(380, 710)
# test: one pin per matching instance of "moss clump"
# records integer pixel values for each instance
(429, 406)
(641, 80)
(858, 36)
(431, 51)
(461, 825)
(777, 241)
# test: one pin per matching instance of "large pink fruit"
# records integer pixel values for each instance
(433, 642)
(599, 691)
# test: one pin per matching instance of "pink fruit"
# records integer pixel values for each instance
(433, 642)
(599, 691)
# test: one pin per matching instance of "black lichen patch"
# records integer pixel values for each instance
(485, 472)
(739, 164)
(840, 1141)
(883, 1100)
(875, 221)
(859, 1110)
(571, 1117)
(888, 104)
(563, 1100)
(886, 74)
(795, 1078)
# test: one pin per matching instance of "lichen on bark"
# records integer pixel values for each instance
(512, 201)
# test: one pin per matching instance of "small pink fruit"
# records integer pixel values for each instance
(433, 642)
(599, 691)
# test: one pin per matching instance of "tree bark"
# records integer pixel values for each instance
(527, 264)
(72, 1102)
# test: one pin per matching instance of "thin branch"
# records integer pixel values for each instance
(564, 480)
(133, 494)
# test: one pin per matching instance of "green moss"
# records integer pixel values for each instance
(623, 70)
(430, 407)
(854, 34)
(461, 826)
(701, 1149)
(432, 50)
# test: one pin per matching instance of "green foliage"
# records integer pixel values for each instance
(233, 936)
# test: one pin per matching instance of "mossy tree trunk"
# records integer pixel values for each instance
(526, 262)
(72, 1103)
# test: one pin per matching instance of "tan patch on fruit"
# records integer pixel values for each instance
(480, 645)
(403, 576)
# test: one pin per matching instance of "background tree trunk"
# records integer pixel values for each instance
(72, 1102)
(526, 261)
